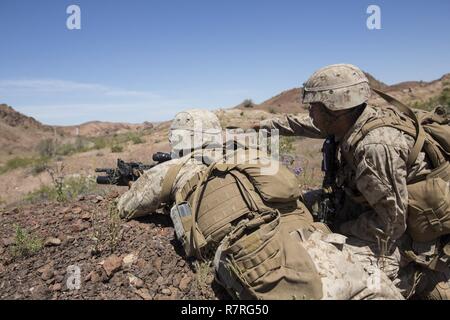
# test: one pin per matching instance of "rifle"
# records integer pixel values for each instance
(327, 206)
(127, 172)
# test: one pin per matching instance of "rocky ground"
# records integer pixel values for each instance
(44, 245)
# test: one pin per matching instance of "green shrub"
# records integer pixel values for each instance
(248, 103)
(136, 139)
(80, 145)
(95, 143)
(46, 148)
(65, 149)
(25, 244)
(442, 99)
(39, 166)
(116, 149)
(64, 189)
(15, 163)
(100, 143)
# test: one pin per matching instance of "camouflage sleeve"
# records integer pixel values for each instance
(301, 125)
(144, 196)
(381, 179)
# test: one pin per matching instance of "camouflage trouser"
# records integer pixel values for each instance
(342, 276)
(407, 276)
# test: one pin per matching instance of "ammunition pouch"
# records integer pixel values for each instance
(260, 260)
(429, 205)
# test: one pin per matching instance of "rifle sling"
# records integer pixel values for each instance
(420, 133)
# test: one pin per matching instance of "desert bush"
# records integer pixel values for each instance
(49, 148)
(100, 142)
(46, 148)
(136, 139)
(106, 234)
(202, 271)
(442, 99)
(248, 103)
(40, 166)
(80, 145)
(25, 244)
(116, 148)
(64, 189)
(114, 225)
(272, 110)
(15, 163)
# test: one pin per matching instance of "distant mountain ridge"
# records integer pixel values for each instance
(410, 92)
(20, 133)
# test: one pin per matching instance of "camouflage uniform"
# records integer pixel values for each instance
(343, 277)
(300, 125)
(375, 183)
(381, 178)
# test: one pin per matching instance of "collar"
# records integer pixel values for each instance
(368, 113)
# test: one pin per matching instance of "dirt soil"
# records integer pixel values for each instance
(138, 259)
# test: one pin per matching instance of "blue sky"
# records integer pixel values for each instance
(137, 61)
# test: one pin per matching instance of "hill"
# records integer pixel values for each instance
(415, 93)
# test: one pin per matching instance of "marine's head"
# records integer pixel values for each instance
(335, 94)
(194, 129)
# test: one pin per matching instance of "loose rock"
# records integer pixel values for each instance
(135, 281)
(129, 260)
(144, 294)
(50, 242)
(184, 283)
(112, 264)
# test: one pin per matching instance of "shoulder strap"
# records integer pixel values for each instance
(420, 133)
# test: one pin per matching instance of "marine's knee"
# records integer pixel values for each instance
(437, 286)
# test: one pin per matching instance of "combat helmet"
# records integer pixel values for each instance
(193, 129)
(338, 87)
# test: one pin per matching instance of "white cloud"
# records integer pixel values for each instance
(46, 86)
(65, 114)
(54, 101)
